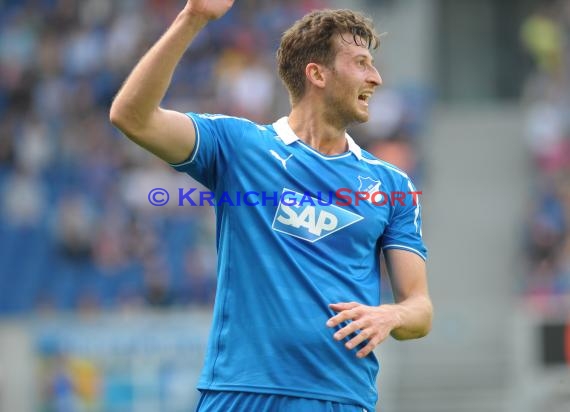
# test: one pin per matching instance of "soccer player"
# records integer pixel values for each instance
(297, 313)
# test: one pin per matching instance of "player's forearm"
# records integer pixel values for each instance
(414, 318)
(144, 89)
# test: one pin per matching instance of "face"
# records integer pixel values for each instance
(351, 82)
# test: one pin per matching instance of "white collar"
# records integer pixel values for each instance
(288, 136)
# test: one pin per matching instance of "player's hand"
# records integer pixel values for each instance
(209, 9)
(370, 323)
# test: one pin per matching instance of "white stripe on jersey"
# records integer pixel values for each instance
(379, 162)
(197, 144)
(395, 246)
(225, 116)
(417, 211)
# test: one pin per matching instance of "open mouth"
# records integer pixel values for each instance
(364, 97)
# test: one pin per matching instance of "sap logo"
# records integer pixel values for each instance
(306, 218)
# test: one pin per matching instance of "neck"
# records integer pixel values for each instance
(312, 126)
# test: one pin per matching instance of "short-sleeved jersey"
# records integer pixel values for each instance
(296, 231)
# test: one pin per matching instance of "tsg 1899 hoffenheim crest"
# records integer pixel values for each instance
(367, 184)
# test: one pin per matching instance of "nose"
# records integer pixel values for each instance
(375, 77)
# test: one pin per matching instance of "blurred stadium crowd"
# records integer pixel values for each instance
(545, 34)
(76, 230)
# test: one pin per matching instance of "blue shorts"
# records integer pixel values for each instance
(222, 401)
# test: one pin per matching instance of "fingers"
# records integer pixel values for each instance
(365, 351)
(346, 310)
(373, 338)
(357, 340)
(363, 334)
(352, 327)
(363, 321)
(337, 307)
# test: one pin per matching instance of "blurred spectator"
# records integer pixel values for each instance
(24, 199)
(157, 283)
(199, 284)
(245, 85)
(391, 134)
(546, 36)
(542, 35)
(75, 226)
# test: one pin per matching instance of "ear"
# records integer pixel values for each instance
(316, 75)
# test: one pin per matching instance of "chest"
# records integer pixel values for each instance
(312, 198)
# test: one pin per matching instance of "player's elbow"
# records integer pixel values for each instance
(120, 117)
(418, 332)
(420, 327)
(427, 320)
(126, 120)
(425, 329)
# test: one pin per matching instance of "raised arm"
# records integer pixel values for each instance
(136, 109)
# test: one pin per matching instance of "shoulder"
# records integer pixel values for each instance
(224, 119)
(226, 125)
(384, 169)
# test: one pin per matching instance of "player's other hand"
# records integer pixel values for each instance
(370, 323)
(209, 9)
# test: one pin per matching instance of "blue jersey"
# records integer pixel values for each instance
(296, 231)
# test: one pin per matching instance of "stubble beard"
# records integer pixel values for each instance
(344, 112)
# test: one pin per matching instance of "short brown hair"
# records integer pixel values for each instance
(310, 40)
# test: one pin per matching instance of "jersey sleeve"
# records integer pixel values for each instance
(216, 138)
(404, 231)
